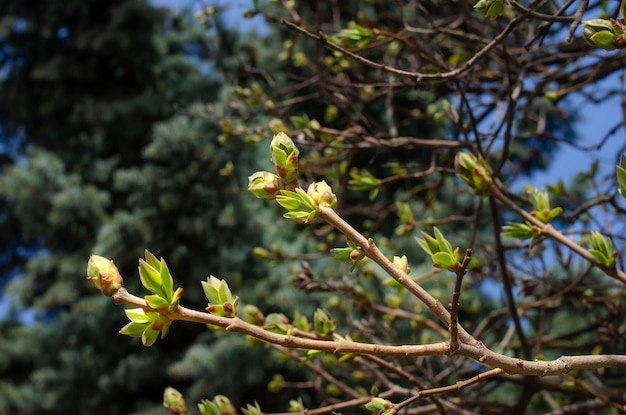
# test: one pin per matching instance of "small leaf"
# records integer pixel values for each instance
(157, 302)
(150, 278)
(137, 315)
(149, 336)
(167, 282)
(152, 260)
(444, 245)
(210, 289)
(134, 329)
(428, 244)
(444, 260)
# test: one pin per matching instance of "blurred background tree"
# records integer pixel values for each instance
(128, 127)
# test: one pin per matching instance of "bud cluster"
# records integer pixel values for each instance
(473, 171)
(283, 187)
(605, 34)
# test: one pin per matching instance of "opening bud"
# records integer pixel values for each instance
(104, 275)
(322, 194)
(264, 185)
(284, 156)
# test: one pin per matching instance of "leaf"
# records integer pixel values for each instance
(149, 336)
(167, 282)
(210, 291)
(444, 260)
(137, 315)
(428, 244)
(134, 329)
(152, 260)
(150, 278)
(157, 302)
(223, 292)
(444, 245)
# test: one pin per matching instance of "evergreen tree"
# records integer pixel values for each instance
(118, 153)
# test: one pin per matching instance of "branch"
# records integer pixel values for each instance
(476, 351)
(238, 325)
(419, 77)
(372, 252)
(548, 230)
(454, 306)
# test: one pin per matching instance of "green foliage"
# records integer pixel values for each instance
(602, 250)
(492, 8)
(440, 251)
(221, 301)
(355, 36)
(364, 180)
(541, 205)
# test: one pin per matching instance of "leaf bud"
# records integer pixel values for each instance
(174, 402)
(104, 275)
(600, 33)
(264, 185)
(473, 171)
(322, 194)
(284, 156)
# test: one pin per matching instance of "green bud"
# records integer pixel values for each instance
(518, 230)
(277, 323)
(301, 322)
(402, 263)
(324, 324)
(322, 194)
(602, 250)
(364, 180)
(440, 250)
(221, 301)
(541, 204)
(284, 156)
(252, 410)
(276, 384)
(299, 204)
(473, 171)
(621, 176)
(252, 315)
(146, 325)
(220, 405)
(378, 405)
(174, 402)
(264, 185)
(296, 405)
(225, 405)
(260, 253)
(104, 275)
(331, 113)
(393, 300)
(600, 33)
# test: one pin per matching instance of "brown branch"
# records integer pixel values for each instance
(560, 366)
(451, 388)
(418, 77)
(476, 351)
(371, 251)
(238, 325)
(454, 306)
